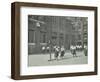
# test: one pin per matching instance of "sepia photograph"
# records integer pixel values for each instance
(57, 40)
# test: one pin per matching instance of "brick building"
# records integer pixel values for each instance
(53, 30)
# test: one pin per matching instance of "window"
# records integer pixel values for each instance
(54, 38)
(54, 35)
(67, 38)
(31, 36)
(61, 39)
(61, 36)
(43, 37)
(79, 37)
(31, 24)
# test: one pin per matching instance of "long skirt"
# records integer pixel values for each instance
(62, 53)
(73, 52)
(85, 52)
(56, 54)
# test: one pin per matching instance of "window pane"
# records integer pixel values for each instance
(43, 37)
(31, 36)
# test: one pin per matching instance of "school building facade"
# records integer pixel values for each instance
(53, 30)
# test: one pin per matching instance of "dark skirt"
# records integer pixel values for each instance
(85, 52)
(56, 54)
(62, 53)
(73, 51)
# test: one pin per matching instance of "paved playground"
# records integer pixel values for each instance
(68, 59)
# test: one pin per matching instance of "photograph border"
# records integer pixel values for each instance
(15, 39)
